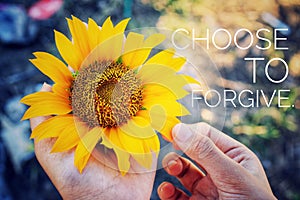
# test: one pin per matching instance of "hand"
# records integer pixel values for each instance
(231, 170)
(97, 181)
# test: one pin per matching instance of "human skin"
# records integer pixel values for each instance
(99, 179)
(232, 171)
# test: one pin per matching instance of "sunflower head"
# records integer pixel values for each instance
(108, 92)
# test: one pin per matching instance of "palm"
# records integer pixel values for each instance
(98, 181)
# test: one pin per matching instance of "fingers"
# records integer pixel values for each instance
(37, 120)
(201, 147)
(42, 148)
(167, 191)
(184, 170)
(221, 140)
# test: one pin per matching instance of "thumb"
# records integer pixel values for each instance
(201, 149)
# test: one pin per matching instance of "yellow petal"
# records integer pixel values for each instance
(39, 97)
(154, 144)
(158, 116)
(111, 48)
(52, 67)
(142, 54)
(68, 51)
(63, 90)
(85, 147)
(111, 39)
(133, 41)
(106, 30)
(82, 155)
(136, 50)
(51, 127)
(114, 138)
(93, 33)
(132, 145)
(162, 75)
(121, 26)
(47, 108)
(105, 138)
(155, 90)
(67, 139)
(144, 160)
(140, 148)
(166, 128)
(81, 127)
(44, 104)
(121, 154)
(150, 145)
(80, 35)
(166, 58)
(154, 40)
(123, 160)
(108, 25)
(189, 79)
(108, 50)
(172, 108)
(138, 127)
(160, 121)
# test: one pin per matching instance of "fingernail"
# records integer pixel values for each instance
(45, 87)
(163, 186)
(171, 163)
(182, 133)
(167, 188)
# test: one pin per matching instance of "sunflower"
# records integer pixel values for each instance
(108, 92)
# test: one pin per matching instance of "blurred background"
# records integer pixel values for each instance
(272, 133)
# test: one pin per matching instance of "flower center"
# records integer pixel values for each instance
(106, 94)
